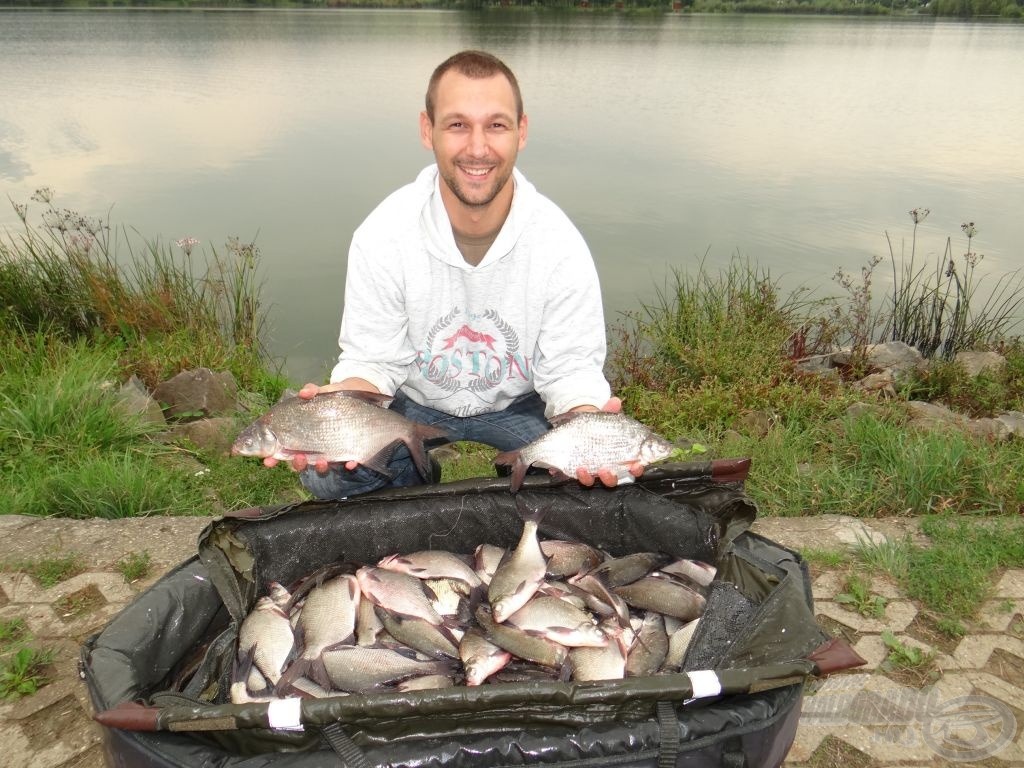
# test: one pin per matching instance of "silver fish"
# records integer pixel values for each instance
(328, 617)
(487, 558)
(398, 593)
(426, 683)
(569, 558)
(354, 668)
(699, 572)
(664, 595)
(368, 624)
(650, 647)
(480, 657)
(522, 644)
(558, 621)
(520, 573)
(435, 641)
(629, 568)
(432, 564)
(678, 645)
(590, 441)
(336, 426)
(267, 634)
(605, 663)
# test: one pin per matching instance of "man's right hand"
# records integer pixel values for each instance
(299, 462)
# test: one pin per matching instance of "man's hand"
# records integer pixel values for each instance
(299, 461)
(609, 476)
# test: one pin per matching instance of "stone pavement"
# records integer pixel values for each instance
(968, 709)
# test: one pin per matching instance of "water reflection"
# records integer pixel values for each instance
(796, 142)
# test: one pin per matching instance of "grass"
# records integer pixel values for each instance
(858, 597)
(713, 360)
(48, 571)
(134, 566)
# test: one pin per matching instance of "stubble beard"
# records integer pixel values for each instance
(488, 196)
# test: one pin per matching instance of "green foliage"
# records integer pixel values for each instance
(134, 566)
(11, 631)
(48, 571)
(23, 673)
(858, 596)
(905, 656)
(953, 576)
(825, 558)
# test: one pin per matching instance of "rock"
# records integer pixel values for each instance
(860, 410)
(896, 356)
(976, 363)
(755, 423)
(1014, 421)
(883, 382)
(133, 399)
(933, 416)
(197, 393)
(211, 435)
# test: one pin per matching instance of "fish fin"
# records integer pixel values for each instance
(373, 398)
(295, 670)
(418, 452)
(379, 461)
(563, 418)
(317, 672)
(566, 672)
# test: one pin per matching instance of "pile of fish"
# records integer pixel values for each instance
(548, 609)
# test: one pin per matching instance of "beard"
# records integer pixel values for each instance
(476, 198)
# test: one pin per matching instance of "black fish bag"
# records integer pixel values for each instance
(159, 673)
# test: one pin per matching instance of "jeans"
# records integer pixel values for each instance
(522, 422)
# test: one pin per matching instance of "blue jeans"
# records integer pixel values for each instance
(522, 422)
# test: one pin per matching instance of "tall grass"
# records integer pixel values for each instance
(74, 275)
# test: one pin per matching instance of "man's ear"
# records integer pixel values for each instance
(426, 131)
(522, 131)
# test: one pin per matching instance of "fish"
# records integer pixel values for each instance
(480, 657)
(426, 683)
(699, 572)
(539, 650)
(664, 595)
(650, 647)
(339, 427)
(558, 621)
(267, 634)
(486, 559)
(604, 663)
(328, 617)
(521, 572)
(356, 669)
(678, 644)
(398, 593)
(629, 568)
(569, 558)
(591, 440)
(435, 641)
(432, 564)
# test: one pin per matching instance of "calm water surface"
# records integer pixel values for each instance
(796, 142)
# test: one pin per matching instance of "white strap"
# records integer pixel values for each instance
(705, 683)
(285, 714)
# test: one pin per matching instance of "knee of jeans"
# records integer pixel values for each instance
(339, 483)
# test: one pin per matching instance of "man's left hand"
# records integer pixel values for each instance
(609, 476)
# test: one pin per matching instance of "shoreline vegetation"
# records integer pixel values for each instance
(85, 305)
(964, 9)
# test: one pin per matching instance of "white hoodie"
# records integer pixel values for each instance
(466, 340)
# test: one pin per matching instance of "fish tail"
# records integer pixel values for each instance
(530, 514)
(517, 473)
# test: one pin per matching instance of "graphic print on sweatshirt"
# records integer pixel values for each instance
(476, 353)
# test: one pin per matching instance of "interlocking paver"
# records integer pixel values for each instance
(870, 710)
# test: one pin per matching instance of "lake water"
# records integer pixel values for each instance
(795, 142)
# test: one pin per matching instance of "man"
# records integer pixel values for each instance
(469, 296)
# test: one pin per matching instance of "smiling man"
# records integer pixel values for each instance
(469, 297)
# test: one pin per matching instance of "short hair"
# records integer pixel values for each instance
(475, 65)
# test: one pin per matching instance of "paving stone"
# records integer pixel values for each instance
(898, 616)
(998, 615)
(1011, 584)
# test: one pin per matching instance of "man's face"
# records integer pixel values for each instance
(475, 136)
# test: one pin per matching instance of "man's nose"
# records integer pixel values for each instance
(478, 145)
